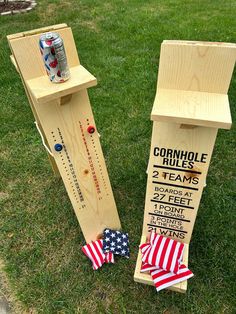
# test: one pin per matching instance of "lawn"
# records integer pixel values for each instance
(119, 42)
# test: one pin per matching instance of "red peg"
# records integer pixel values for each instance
(91, 129)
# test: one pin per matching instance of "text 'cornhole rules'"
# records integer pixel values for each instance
(191, 103)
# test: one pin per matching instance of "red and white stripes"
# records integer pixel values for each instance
(95, 253)
(163, 279)
(162, 257)
(164, 253)
(109, 257)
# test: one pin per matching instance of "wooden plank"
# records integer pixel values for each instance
(191, 107)
(146, 278)
(30, 60)
(174, 185)
(37, 31)
(196, 66)
(80, 162)
(43, 90)
(200, 43)
(51, 28)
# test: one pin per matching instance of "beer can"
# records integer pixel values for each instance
(54, 57)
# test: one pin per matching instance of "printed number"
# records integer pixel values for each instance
(158, 196)
(155, 174)
(150, 229)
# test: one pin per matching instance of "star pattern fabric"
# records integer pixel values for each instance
(116, 242)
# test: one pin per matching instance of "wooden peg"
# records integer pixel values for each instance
(65, 99)
(187, 126)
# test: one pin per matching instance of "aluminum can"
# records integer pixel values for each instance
(54, 57)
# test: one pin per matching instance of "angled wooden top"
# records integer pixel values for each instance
(25, 49)
(192, 77)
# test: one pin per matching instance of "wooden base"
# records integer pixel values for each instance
(145, 278)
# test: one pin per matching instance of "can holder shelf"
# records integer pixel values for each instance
(191, 103)
(65, 121)
(43, 90)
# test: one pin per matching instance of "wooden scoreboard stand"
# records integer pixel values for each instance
(191, 103)
(65, 120)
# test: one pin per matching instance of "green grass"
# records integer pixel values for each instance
(119, 42)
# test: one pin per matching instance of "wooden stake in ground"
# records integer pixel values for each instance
(65, 121)
(191, 103)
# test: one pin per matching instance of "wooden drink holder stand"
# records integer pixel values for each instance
(191, 103)
(65, 121)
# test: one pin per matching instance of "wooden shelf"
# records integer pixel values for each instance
(43, 90)
(192, 107)
(146, 278)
